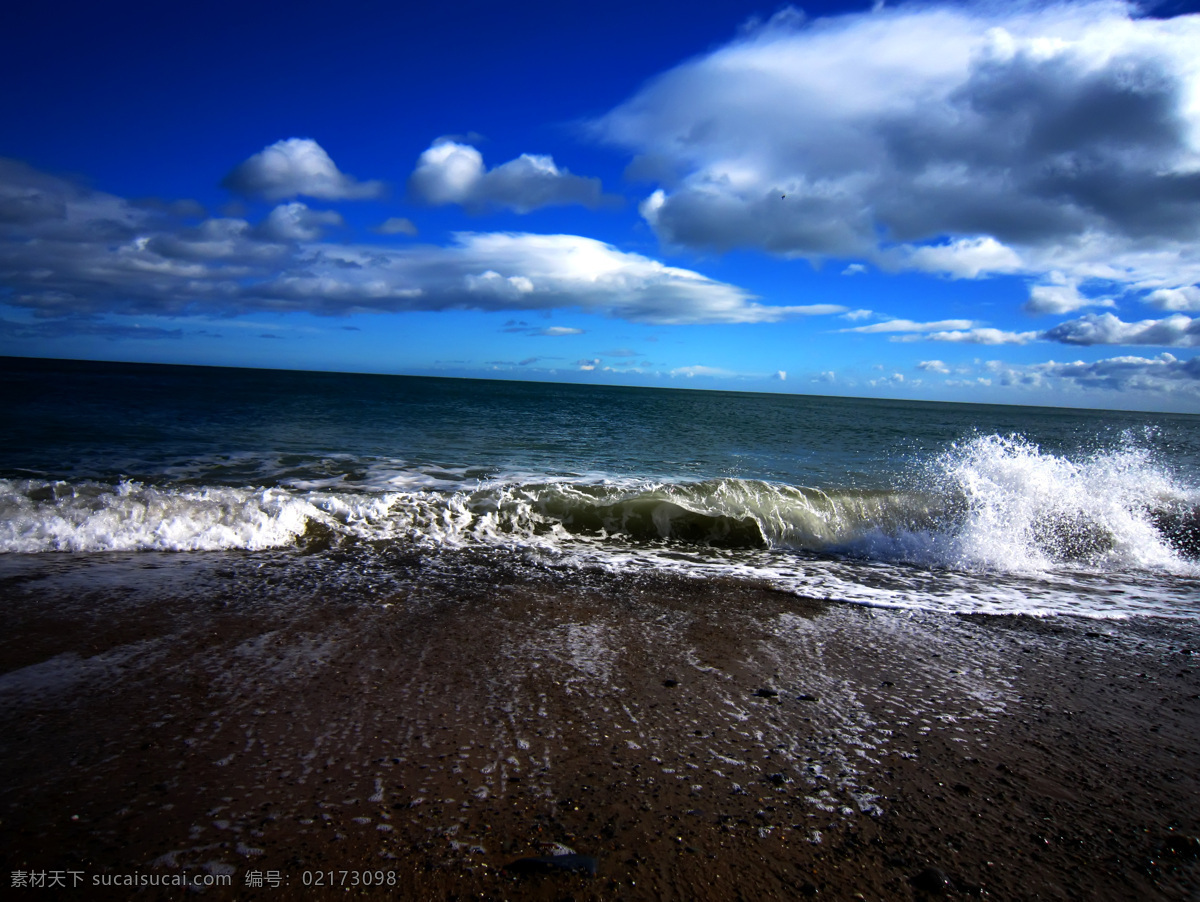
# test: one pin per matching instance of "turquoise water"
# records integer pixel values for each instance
(922, 505)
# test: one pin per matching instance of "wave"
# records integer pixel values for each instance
(992, 503)
(1023, 510)
(38, 516)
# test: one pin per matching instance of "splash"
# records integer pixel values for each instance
(1013, 508)
(37, 516)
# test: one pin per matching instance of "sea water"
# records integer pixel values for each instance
(932, 506)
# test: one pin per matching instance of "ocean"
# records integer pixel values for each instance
(199, 479)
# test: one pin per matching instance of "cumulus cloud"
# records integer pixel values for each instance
(1186, 298)
(68, 251)
(453, 173)
(1060, 297)
(969, 140)
(966, 258)
(1162, 374)
(933, 366)
(1107, 329)
(293, 167)
(1158, 374)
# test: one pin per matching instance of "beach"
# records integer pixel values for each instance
(683, 738)
(270, 634)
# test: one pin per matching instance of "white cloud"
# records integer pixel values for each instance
(781, 375)
(964, 139)
(1186, 298)
(452, 173)
(933, 366)
(297, 166)
(447, 173)
(1106, 329)
(690, 372)
(296, 222)
(965, 258)
(979, 336)
(1060, 297)
(1162, 374)
(70, 251)
(558, 331)
(518, 271)
(907, 325)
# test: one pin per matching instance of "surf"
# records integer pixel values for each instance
(990, 503)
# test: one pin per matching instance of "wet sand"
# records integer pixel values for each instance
(693, 740)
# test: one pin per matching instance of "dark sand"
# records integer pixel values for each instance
(442, 732)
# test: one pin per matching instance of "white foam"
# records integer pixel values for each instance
(40, 517)
(1025, 511)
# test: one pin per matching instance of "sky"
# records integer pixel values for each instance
(987, 202)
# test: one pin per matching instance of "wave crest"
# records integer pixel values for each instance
(38, 516)
(991, 503)
(1025, 510)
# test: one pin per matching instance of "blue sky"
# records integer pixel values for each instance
(951, 201)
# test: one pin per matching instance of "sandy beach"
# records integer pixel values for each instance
(683, 739)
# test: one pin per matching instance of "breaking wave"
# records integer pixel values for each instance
(1018, 509)
(993, 503)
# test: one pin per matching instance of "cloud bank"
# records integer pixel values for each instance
(1177, 331)
(1163, 374)
(1060, 142)
(67, 251)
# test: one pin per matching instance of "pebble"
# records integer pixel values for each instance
(931, 880)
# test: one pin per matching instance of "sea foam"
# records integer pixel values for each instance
(991, 503)
(40, 516)
(1013, 508)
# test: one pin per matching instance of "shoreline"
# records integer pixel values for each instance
(695, 739)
